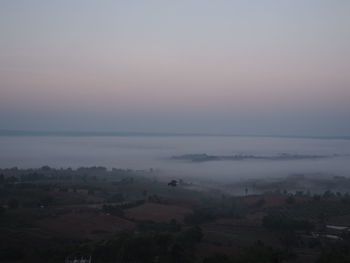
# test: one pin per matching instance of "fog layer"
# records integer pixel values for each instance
(156, 152)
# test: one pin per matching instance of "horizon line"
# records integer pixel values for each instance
(67, 133)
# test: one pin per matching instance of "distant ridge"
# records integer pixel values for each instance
(91, 133)
(151, 134)
(203, 157)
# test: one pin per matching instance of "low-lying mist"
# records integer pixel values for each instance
(312, 156)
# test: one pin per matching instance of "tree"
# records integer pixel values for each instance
(172, 183)
(290, 200)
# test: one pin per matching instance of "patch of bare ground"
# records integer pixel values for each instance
(68, 197)
(157, 212)
(190, 204)
(85, 224)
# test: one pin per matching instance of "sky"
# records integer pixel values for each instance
(186, 66)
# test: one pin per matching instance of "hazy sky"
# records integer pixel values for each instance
(242, 67)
